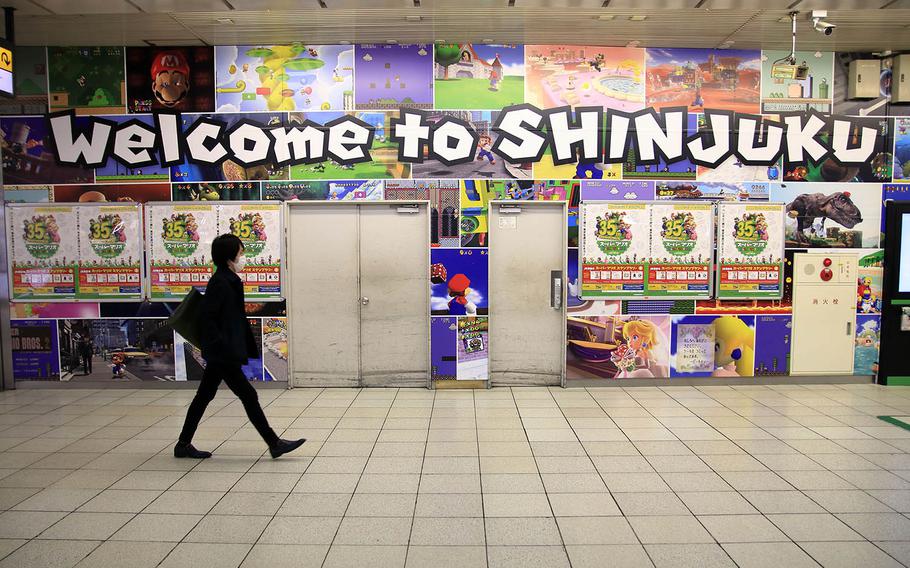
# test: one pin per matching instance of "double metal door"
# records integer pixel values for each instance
(358, 299)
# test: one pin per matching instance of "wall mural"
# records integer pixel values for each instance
(347, 101)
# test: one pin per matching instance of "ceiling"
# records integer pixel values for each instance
(862, 25)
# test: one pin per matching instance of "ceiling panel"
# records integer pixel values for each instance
(88, 7)
(180, 5)
(25, 8)
(858, 30)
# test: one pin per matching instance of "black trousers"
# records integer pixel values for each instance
(87, 364)
(233, 376)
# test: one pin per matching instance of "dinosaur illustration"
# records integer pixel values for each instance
(808, 207)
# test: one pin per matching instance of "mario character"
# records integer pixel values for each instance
(485, 149)
(459, 305)
(598, 62)
(733, 348)
(170, 78)
(117, 367)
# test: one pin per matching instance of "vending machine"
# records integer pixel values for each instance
(824, 314)
(894, 362)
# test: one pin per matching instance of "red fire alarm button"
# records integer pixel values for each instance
(827, 262)
(826, 274)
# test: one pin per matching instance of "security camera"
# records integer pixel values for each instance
(822, 26)
(819, 23)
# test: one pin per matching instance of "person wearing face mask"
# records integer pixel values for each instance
(227, 343)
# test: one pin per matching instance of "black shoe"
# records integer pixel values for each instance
(188, 451)
(282, 447)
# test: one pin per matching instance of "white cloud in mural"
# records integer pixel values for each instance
(421, 52)
(870, 325)
(614, 191)
(367, 57)
(630, 195)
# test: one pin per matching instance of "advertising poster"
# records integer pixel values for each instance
(35, 350)
(773, 338)
(615, 249)
(473, 348)
(110, 252)
(682, 247)
(114, 172)
(830, 215)
(87, 79)
(606, 190)
(458, 282)
(258, 225)
(384, 162)
(392, 76)
(750, 251)
(719, 191)
(617, 347)
(443, 348)
(28, 155)
(782, 91)
(715, 346)
(229, 170)
(178, 239)
(284, 78)
(877, 169)
(120, 192)
(661, 170)
(478, 76)
(486, 165)
(727, 79)
(585, 75)
(218, 191)
(137, 349)
(275, 348)
(170, 78)
(865, 354)
(44, 252)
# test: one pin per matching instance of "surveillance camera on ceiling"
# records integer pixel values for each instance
(819, 23)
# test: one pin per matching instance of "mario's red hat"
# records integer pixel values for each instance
(459, 283)
(170, 61)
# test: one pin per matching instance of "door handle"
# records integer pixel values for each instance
(556, 289)
(364, 301)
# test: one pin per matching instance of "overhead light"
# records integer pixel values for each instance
(440, 41)
(224, 20)
(633, 43)
(637, 18)
(412, 18)
(344, 42)
(605, 17)
(486, 41)
(391, 41)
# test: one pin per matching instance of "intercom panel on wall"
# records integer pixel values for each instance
(824, 314)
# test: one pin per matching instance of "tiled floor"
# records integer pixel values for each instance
(781, 476)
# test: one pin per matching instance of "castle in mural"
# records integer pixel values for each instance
(470, 65)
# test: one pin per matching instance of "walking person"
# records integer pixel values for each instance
(227, 344)
(85, 352)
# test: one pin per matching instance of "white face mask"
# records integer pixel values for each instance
(239, 263)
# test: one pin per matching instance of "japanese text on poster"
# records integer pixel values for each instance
(44, 251)
(179, 237)
(258, 225)
(682, 243)
(615, 249)
(110, 252)
(750, 251)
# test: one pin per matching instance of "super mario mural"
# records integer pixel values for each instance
(174, 78)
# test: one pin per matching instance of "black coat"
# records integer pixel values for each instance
(225, 332)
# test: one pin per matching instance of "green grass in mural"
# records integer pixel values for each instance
(366, 170)
(475, 94)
